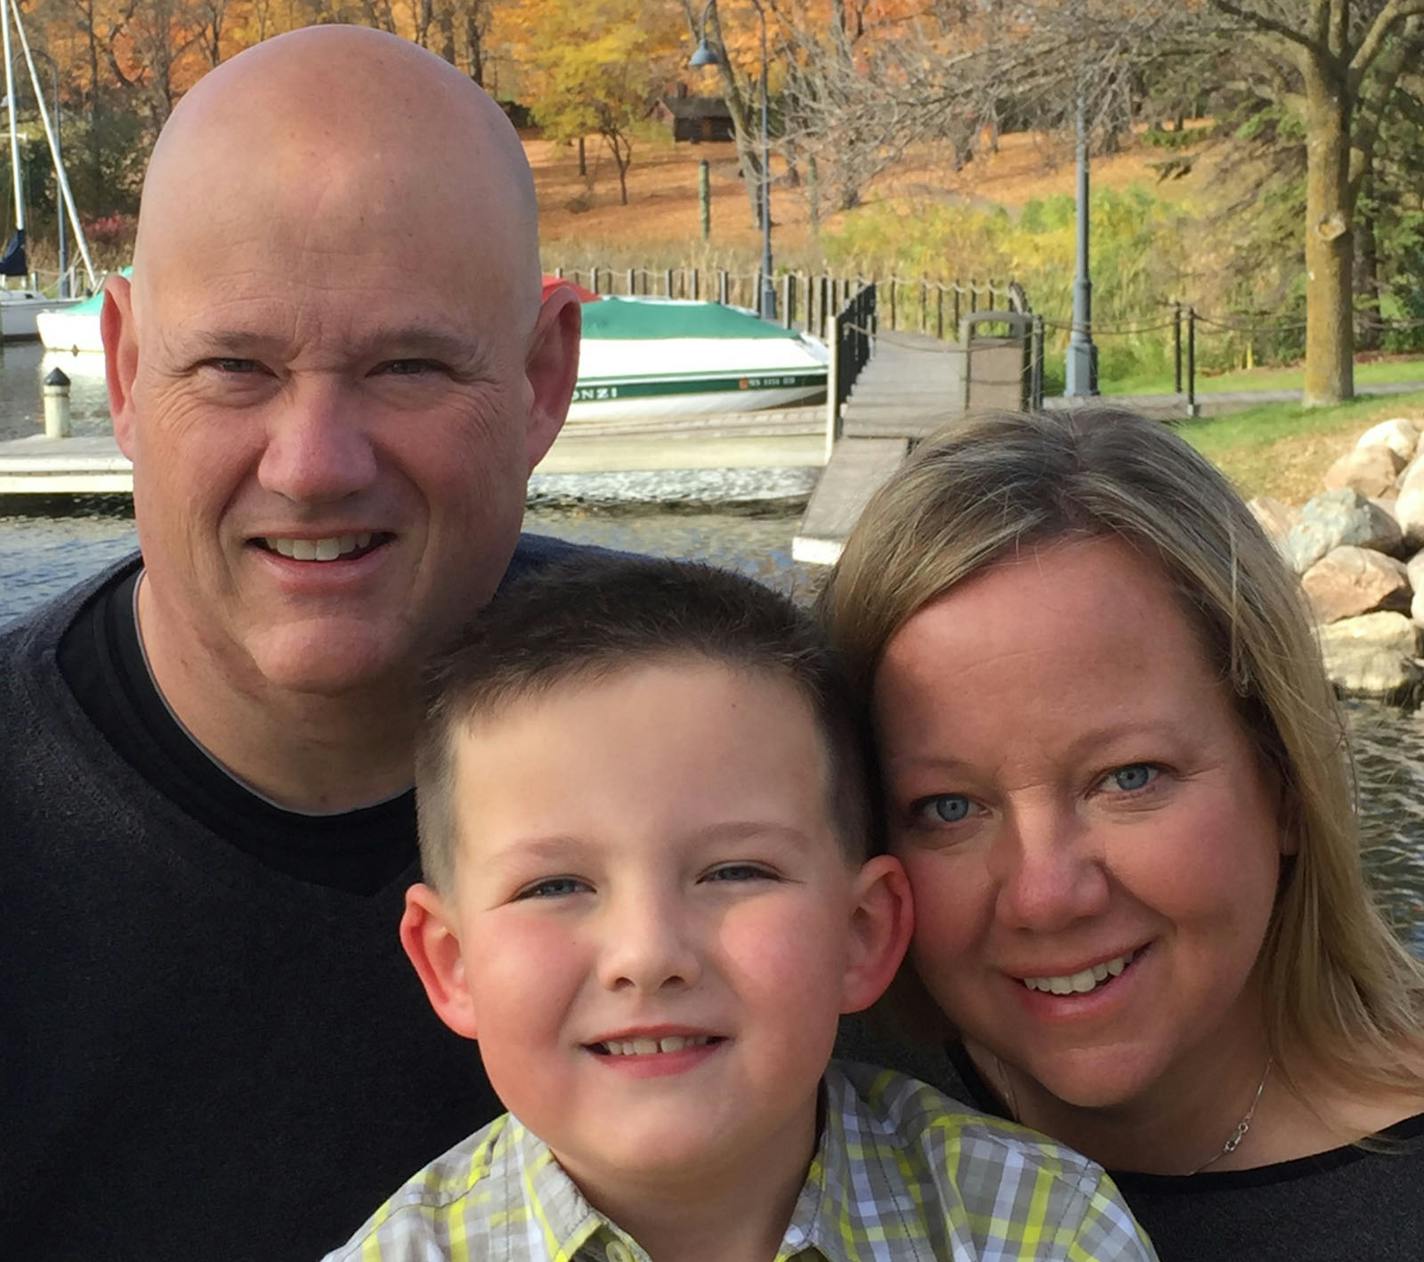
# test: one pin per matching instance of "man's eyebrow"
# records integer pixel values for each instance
(398, 342)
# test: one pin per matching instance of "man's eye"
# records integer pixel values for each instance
(740, 872)
(225, 364)
(943, 808)
(554, 887)
(1131, 778)
(407, 367)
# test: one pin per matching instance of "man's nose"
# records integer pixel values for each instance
(317, 451)
(1049, 868)
(649, 942)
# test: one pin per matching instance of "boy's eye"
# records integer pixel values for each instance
(740, 872)
(554, 887)
(1131, 778)
(943, 808)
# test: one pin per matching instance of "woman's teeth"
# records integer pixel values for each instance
(1081, 983)
(651, 1047)
(318, 549)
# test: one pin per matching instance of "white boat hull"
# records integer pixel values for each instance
(21, 311)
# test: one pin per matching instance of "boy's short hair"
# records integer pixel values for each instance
(586, 620)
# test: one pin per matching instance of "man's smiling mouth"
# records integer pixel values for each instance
(331, 548)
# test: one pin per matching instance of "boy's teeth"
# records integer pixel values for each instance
(328, 549)
(651, 1047)
(1081, 983)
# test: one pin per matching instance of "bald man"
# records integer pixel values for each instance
(333, 374)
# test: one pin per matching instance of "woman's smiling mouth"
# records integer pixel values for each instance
(1085, 981)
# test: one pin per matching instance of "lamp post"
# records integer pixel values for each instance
(707, 55)
(1081, 376)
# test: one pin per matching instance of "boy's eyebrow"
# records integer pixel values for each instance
(749, 829)
(562, 846)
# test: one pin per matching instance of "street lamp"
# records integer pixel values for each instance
(707, 54)
(1081, 376)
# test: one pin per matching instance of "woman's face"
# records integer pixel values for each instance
(1091, 839)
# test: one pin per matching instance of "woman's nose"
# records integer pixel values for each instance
(1048, 868)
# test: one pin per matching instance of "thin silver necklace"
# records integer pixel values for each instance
(1233, 1141)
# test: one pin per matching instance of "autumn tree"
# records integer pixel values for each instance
(595, 66)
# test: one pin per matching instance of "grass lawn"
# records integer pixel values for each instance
(1375, 372)
(1283, 449)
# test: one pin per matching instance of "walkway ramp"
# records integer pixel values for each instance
(912, 385)
(857, 468)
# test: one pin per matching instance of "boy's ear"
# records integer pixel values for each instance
(428, 934)
(882, 919)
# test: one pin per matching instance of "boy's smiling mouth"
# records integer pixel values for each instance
(647, 1046)
(655, 1043)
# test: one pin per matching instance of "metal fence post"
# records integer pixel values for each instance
(1177, 348)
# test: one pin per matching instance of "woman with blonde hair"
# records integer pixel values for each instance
(1117, 777)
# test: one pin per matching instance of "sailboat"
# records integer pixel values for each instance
(20, 308)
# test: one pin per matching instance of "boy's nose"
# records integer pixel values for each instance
(648, 946)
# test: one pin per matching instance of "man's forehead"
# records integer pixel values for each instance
(317, 145)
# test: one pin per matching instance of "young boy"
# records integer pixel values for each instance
(644, 821)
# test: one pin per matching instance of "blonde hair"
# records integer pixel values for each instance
(1342, 994)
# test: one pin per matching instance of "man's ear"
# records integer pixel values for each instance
(430, 939)
(882, 919)
(552, 369)
(116, 325)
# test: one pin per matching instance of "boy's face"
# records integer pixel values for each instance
(654, 926)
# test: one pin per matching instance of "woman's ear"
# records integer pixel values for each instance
(882, 919)
(429, 934)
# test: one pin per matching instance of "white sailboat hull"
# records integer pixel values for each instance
(21, 311)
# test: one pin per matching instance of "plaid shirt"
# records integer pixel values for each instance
(902, 1174)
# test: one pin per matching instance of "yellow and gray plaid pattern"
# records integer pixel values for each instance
(902, 1174)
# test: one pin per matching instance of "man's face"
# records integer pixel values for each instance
(657, 925)
(328, 410)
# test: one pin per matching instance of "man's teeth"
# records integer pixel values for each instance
(318, 549)
(1081, 983)
(650, 1047)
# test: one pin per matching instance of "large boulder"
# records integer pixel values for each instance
(1347, 582)
(1370, 470)
(1399, 434)
(1275, 517)
(1415, 568)
(1339, 519)
(1374, 656)
(1409, 505)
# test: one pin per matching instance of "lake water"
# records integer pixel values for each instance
(46, 547)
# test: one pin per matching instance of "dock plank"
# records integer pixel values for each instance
(857, 468)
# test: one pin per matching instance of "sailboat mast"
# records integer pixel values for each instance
(10, 104)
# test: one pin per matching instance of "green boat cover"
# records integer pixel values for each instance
(649, 319)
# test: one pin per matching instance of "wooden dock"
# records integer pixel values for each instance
(778, 439)
(911, 386)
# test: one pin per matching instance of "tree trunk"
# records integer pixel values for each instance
(1329, 242)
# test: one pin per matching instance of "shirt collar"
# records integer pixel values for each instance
(830, 1217)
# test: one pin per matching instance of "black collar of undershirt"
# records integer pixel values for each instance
(101, 659)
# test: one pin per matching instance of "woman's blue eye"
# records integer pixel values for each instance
(1134, 776)
(947, 808)
(554, 887)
